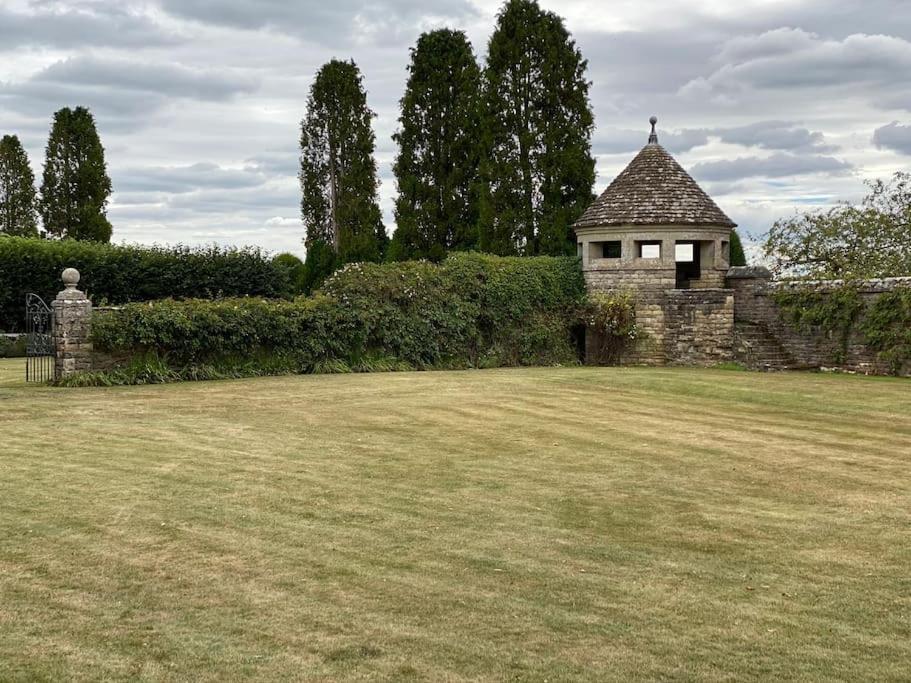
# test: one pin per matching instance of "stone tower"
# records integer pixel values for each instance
(656, 234)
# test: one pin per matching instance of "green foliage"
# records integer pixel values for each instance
(738, 257)
(340, 205)
(321, 262)
(12, 347)
(119, 274)
(295, 269)
(18, 204)
(76, 186)
(886, 326)
(834, 311)
(848, 242)
(439, 149)
(611, 318)
(470, 311)
(537, 167)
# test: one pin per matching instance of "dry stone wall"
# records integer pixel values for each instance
(765, 338)
(677, 326)
(699, 326)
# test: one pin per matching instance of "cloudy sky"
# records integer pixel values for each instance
(773, 105)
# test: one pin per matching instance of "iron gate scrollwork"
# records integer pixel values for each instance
(39, 349)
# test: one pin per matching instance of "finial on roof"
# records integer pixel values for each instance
(653, 138)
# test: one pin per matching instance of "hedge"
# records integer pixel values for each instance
(121, 274)
(470, 311)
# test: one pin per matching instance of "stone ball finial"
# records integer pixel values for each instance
(653, 120)
(653, 137)
(70, 278)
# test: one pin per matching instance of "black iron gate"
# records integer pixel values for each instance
(39, 349)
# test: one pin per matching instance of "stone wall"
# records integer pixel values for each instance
(699, 326)
(648, 288)
(677, 326)
(765, 338)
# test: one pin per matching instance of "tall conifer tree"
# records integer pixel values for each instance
(439, 151)
(18, 205)
(338, 179)
(75, 187)
(538, 168)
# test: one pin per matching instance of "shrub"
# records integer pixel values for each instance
(611, 318)
(469, 311)
(738, 257)
(12, 347)
(121, 274)
(320, 264)
(295, 269)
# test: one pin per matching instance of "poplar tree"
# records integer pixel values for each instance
(75, 187)
(340, 206)
(538, 167)
(437, 164)
(18, 205)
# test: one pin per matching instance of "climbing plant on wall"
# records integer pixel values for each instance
(839, 311)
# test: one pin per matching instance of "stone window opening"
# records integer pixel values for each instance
(609, 250)
(648, 249)
(688, 261)
(726, 251)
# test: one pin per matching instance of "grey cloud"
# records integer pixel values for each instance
(796, 59)
(635, 64)
(621, 140)
(775, 135)
(776, 166)
(123, 94)
(183, 179)
(893, 136)
(270, 198)
(167, 79)
(774, 43)
(283, 162)
(317, 20)
(772, 135)
(61, 27)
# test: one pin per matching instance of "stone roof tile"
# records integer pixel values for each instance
(653, 190)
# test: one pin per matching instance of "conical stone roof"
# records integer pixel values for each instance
(653, 190)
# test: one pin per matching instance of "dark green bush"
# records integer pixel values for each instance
(295, 269)
(469, 311)
(12, 347)
(121, 274)
(738, 257)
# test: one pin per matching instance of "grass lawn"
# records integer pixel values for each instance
(537, 524)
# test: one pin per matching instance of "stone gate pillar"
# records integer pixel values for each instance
(72, 327)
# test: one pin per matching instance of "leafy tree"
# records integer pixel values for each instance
(294, 267)
(870, 240)
(76, 186)
(538, 166)
(320, 264)
(439, 152)
(338, 172)
(18, 206)
(738, 257)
